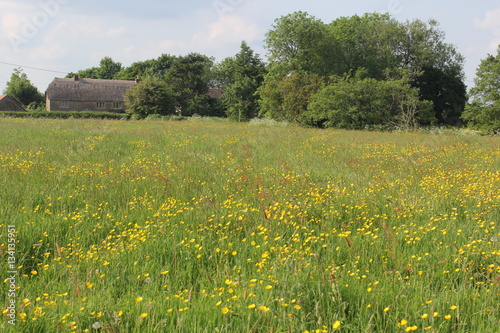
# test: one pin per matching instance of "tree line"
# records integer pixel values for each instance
(356, 72)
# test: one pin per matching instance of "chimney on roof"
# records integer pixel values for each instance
(76, 78)
(137, 80)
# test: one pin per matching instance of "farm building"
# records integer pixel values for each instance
(7, 103)
(78, 94)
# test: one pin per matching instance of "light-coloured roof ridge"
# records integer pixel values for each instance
(72, 79)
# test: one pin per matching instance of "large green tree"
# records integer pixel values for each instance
(382, 47)
(385, 46)
(287, 98)
(148, 97)
(107, 70)
(189, 77)
(365, 42)
(300, 42)
(149, 68)
(22, 90)
(141, 69)
(437, 67)
(484, 110)
(240, 76)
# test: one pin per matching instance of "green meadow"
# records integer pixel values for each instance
(214, 226)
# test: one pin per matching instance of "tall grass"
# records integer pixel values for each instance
(201, 226)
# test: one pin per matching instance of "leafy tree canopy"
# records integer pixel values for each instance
(484, 110)
(299, 42)
(107, 70)
(188, 77)
(356, 103)
(288, 98)
(240, 77)
(150, 96)
(22, 90)
(149, 68)
(377, 43)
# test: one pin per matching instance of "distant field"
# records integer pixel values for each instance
(204, 226)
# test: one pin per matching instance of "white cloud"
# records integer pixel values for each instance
(10, 26)
(116, 32)
(54, 52)
(15, 6)
(171, 46)
(13, 17)
(228, 29)
(491, 22)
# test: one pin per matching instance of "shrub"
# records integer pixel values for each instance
(357, 104)
(149, 97)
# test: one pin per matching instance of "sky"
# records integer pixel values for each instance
(49, 38)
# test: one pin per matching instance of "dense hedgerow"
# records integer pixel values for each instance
(65, 115)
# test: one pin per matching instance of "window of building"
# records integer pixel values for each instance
(101, 105)
(117, 106)
(64, 105)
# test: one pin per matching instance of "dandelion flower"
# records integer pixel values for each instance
(336, 324)
(225, 310)
(143, 315)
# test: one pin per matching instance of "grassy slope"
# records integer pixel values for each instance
(221, 227)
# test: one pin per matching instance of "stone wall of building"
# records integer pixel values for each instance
(84, 106)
